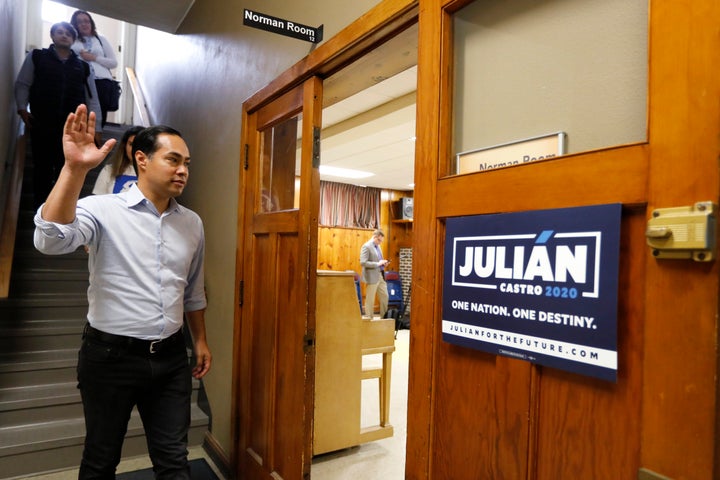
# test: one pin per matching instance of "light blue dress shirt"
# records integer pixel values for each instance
(146, 268)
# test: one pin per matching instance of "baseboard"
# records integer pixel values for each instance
(217, 454)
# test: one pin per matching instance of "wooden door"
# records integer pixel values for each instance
(481, 416)
(274, 334)
(276, 285)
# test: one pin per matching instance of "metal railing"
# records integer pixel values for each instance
(138, 96)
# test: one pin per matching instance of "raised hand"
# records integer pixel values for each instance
(81, 155)
(79, 141)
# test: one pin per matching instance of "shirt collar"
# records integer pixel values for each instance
(135, 197)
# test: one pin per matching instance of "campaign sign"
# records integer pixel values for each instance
(540, 286)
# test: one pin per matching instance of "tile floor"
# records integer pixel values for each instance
(383, 459)
(380, 460)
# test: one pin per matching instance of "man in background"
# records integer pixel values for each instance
(53, 81)
(373, 274)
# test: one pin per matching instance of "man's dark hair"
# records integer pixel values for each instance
(146, 140)
(66, 26)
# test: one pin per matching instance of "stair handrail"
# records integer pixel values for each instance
(10, 216)
(138, 96)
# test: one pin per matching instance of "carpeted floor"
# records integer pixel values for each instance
(199, 470)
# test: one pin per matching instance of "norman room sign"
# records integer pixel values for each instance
(283, 27)
(539, 286)
(509, 154)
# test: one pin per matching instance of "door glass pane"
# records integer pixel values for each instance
(280, 157)
(571, 71)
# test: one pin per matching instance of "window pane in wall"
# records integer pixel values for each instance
(572, 71)
(280, 157)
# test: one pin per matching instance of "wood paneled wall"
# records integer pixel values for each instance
(339, 247)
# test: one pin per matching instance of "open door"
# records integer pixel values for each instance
(274, 336)
(276, 285)
(480, 415)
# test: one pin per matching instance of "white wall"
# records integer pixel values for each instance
(534, 67)
(12, 38)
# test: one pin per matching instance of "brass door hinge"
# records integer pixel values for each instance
(308, 342)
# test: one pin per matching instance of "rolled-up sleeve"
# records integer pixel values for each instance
(55, 238)
(195, 291)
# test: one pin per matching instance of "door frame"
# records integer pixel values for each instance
(279, 289)
(679, 405)
(380, 23)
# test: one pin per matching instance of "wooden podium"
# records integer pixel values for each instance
(342, 337)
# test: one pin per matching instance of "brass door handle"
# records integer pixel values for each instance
(658, 232)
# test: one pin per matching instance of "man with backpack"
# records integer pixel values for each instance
(53, 81)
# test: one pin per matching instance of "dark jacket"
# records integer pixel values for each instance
(58, 87)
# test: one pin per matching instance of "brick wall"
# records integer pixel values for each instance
(405, 272)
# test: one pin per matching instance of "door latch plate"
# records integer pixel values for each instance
(683, 232)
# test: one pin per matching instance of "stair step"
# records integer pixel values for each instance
(37, 261)
(27, 251)
(48, 394)
(40, 360)
(18, 439)
(24, 378)
(40, 343)
(28, 335)
(16, 398)
(45, 280)
(27, 259)
(41, 307)
(68, 454)
(49, 300)
(50, 410)
(41, 327)
(43, 403)
(18, 314)
(47, 271)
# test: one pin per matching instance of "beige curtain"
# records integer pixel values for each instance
(343, 205)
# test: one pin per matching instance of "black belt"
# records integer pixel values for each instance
(131, 343)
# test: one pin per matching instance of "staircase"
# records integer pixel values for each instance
(41, 419)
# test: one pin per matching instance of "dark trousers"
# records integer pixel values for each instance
(48, 158)
(112, 380)
(104, 89)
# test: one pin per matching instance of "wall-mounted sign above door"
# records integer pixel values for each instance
(283, 27)
(540, 286)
